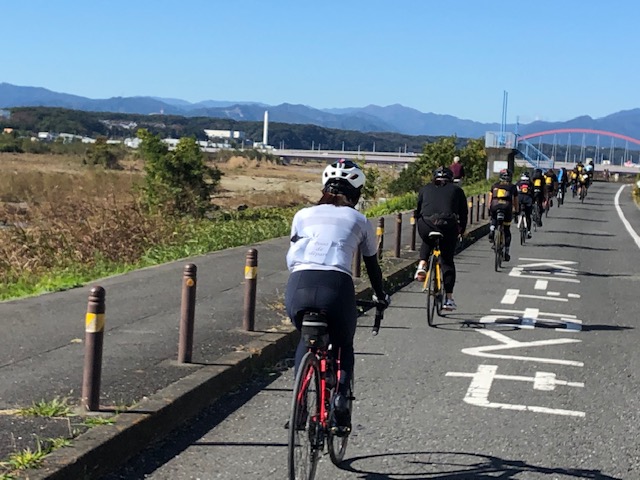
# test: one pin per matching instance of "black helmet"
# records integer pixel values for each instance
(537, 172)
(442, 175)
(505, 175)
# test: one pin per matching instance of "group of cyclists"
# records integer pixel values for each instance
(536, 190)
(325, 237)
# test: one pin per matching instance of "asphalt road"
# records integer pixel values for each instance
(535, 376)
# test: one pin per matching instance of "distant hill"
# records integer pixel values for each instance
(372, 118)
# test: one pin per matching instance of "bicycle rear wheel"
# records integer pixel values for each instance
(523, 231)
(439, 289)
(498, 252)
(337, 445)
(305, 428)
(431, 290)
(535, 217)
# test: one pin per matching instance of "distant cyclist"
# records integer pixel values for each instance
(503, 198)
(539, 192)
(589, 168)
(442, 207)
(525, 198)
(562, 182)
(458, 170)
(324, 240)
(551, 182)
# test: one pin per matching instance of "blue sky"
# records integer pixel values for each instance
(557, 59)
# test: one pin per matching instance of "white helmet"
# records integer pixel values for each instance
(344, 170)
(456, 159)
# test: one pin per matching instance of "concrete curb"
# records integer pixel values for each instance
(104, 448)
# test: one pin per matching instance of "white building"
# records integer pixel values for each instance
(230, 134)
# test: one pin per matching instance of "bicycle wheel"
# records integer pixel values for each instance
(439, 289)
(431, 290)
(337, 445)
(498, 251)
(305, 429)
(523, 230)
(535, 216)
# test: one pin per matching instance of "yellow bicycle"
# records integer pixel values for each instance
(433, 282)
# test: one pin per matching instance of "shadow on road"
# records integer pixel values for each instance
(455, 466)
(568, 245)
(582, 233)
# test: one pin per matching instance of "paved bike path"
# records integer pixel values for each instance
(42, 350)
(445, 402)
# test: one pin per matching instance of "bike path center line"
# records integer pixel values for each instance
(625, 222)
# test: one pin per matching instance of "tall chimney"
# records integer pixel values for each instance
(265, 132)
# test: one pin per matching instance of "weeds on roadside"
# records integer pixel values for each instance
(29, 459)
(96, 421)
(58, 407)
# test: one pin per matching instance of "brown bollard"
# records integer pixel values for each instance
(357, 268)
(398, 234)
(187, 313)
(478, 208)
(484, 205)
(94, 334)
(380, 235)
(470, 205)
(413, 230)
(251, 283)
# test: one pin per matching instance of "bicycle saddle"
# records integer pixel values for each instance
(314, 330)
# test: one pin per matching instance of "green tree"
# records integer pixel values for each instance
(474, 159)
(434, 155)
(179, 181)
(100, 153)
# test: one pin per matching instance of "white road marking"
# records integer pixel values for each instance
(512, 294)
(541, 284)
(626, 224)
(573, 295)
(508, 343)
(529, 316)
(571, 322)
(520, 272)
(478, 391)
(547, 381)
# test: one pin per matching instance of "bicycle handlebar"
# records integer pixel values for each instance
(379, 314)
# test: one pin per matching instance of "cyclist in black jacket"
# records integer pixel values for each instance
(525, 198)
(442, 207)
(503, 198)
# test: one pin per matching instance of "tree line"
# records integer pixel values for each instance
(27, 121)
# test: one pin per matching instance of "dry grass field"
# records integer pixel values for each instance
(76, 219)
(37, 178)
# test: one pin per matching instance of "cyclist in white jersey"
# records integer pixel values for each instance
(324, 240)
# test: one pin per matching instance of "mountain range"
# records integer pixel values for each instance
(372, 118)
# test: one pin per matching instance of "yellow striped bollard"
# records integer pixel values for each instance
(94, 334)
(251, 283)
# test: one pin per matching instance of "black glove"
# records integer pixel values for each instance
(382, 303)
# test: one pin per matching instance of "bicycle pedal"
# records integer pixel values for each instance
(340, 431)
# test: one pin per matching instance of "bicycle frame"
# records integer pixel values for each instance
(435, 253)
